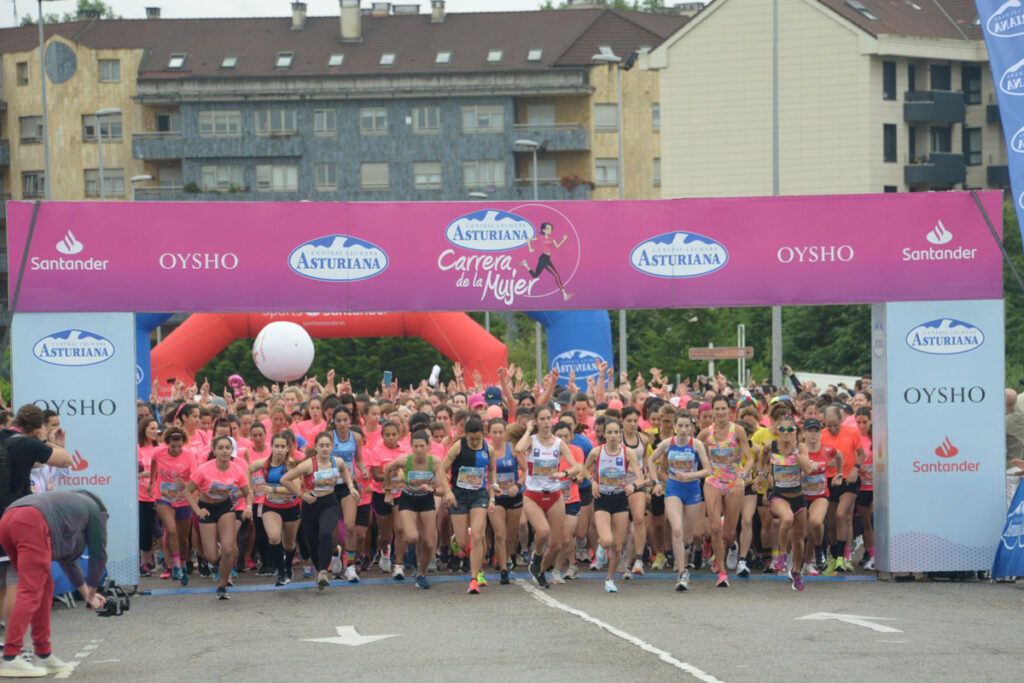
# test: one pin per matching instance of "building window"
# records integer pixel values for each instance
(284, 60)
(22, 73)
(336, 60)
(972, 146)
(222, 178)
(657, 172)
(229, 62)
(276, 122)
(656, 117)
(483, 118)
(971, 77)
(606, 117)
(888, 80)
(889, 188)
(220, 123)
(326, 176)
(426, 175)
(110, 70)
(109, 127)
(113, 182)
(911, 78)
(325, 122)
(606, 172)
(940, 77)
(493, 56)
(31, 128)
(443, 57)
(387, 59)
(426, 119)
(483, 173)
(277, 177)
(912, 143)
(168, 122)
(889, 143)
(33, 184)
(374, 176)
(176, 60)
(534, 55)
(373, 120)
(942, 139)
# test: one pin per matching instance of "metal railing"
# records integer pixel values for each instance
(157, 135)
(573, 125)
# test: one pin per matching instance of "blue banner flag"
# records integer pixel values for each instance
(1010, 553)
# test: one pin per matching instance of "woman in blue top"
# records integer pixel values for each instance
(508, 489)
(348, 447)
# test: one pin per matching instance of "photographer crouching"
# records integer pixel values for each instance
(35, 531)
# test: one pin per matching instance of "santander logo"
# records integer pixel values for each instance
(78, 463)
(70, 246)
(946, 449)
(939, 234)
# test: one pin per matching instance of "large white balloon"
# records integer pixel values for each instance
(283, 351)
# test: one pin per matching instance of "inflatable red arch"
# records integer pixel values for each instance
(203, 335)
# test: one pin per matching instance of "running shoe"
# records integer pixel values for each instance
(780, 564)
(409, 559)
(870, 565)
(170, 573)
(742, 570)
(351, 574)
(283, 580)
(432, 567)
(622, 565)
(798, 582)
(810, 569)
(534, 565)
(820, 559)
(222, 593)
(696, 559)
(204, 568)
(474, 589)
(250, 564)
(683, 583)
(321, 579)
(264, 570)
(183, 577)
(573, 572)
(732, 557)
(465, 564)
(385, 561)
(21, 667)
(601, 558)
(364, 563)
(609, 586)
(54, 664)
(723, 581)
(582, 554)
(288, 573)
(659, 562)
(231, 578)
(858, 543)
(216, 577)
(421, 582)
(638, 567)
(335, 567)
(834, 567)
(146, 570)
(556, 577)
(504, 577)
(307, 570)
(847, 565)
(454, 563)
(525, 557)
(480, 579)
(398, 573)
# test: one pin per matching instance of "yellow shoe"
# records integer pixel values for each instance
(659, 561)
(480, 580)
(834, 567)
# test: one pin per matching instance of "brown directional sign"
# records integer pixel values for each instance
(721, 352)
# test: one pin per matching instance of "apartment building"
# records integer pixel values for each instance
(874, 96)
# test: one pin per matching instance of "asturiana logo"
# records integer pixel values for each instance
(678, 254)
(69, 246)
(73, 348)
(582, 361)
(490, 230)
(1017, 141)
(939, 234)
(338, 258)
(1012, 80)
(945, 337)
(1007, 21)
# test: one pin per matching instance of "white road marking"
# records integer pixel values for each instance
(347, 635)
(67, 674)
(633, 640)
(86, 651)
(854, 619)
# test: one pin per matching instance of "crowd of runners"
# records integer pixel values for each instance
(618, 476)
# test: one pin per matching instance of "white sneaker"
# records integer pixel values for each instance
(638, 567)
(572, 573)
(609, 586)
(684, 581)
(335, 567)
(432, 567)
(601, 557)
(399, 573)
(21, 667)
(741, 569)
(385, 561)
(857, 544)
(54, 664)
(869, 566)
(732, 557)
(622, 566)
(626, 574)
(556, 576)
(810, 569)
(351, 574)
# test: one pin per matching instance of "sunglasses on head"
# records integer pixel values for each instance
(786, 430)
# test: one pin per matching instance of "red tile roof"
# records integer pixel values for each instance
(952, 19)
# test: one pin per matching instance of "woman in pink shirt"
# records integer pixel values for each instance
(548, 245)
(149, 441)
(170, 468)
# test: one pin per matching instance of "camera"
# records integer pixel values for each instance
(117, 598)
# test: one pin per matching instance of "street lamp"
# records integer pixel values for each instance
(42, 84)
(478, 195)
(138, 179)
(533, 146)
(111, 111)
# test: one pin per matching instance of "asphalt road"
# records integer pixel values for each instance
(752, 631)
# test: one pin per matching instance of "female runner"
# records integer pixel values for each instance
(470, 467)
(381, 457)
(258, 544)
(321, 510)
(866, 495)
(209, 494)
(788, 464)
(681, 463)
(727, 447)
(508, 489)
(314, 422)
(542, 501)
(149, 441)
(347, 446)
(281, 511)
(571, 497)
(611, 462)
(170, 468)
(544, 261)
(636, 441)
(816, 491)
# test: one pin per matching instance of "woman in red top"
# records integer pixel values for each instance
(209, 494)
(544, 261)
(816, 490)
(258, 546)
(149, 441)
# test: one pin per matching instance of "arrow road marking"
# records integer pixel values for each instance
(347, 635)
(854, 619)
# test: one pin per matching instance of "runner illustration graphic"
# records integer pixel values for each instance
(544, 261)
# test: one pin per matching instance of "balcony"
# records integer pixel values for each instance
(940, 168)
(244, 147)
(163, 193)
(998, 177)
(992, 113)
(167, 145)
(559, 137)
(933, 106)
(5, 153)
(548, 189)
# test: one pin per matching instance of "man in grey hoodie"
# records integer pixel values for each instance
(35, 531)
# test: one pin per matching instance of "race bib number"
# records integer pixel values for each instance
(867, 474)
(506, 480)
(545, 467)
(612, 477)
(324, 480)
(279, 498)
(721, 457)
(787, 477)
(219, 490)
(418, 479)
(680, 463)
(172, 492)
(471, 478)
(814, 485)
(566, 487)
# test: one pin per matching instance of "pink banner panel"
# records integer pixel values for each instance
(219, 256)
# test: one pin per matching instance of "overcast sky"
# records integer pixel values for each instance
(136, 9)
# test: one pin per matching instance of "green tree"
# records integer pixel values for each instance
(105, 12)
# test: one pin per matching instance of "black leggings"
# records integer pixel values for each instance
(147, 514)
(544, 263)
(319, 523)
